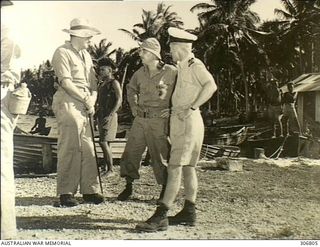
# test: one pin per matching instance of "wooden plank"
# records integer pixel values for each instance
(34, 139)
(47, 162)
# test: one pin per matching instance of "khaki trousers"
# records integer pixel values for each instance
(76, 159)
(151, 133)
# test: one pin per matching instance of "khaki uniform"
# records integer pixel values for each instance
(148, 129)
(9, 52)
(76, 159)
(187, 135)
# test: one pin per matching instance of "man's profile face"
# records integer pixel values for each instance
(174, 50)
(290, 87)
(84, 42)
(146, 56)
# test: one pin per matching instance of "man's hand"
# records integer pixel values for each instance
(7, 78)
(90, 111)
(184, 114)
(89, 102)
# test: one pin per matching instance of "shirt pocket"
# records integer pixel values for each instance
(76, 71)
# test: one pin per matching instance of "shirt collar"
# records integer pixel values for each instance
(184, 62)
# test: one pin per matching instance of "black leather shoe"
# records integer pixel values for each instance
(68, 200)
(93, 198)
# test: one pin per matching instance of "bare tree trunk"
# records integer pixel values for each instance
(218, 92)
(312, 56)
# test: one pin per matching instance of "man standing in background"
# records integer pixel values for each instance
(10, 75)
(290, 115)
(108, 103)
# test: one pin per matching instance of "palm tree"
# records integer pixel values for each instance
(154, 24)
(101, 51)
(300, 23)
(225, 28)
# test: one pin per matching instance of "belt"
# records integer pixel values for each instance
(149, 114)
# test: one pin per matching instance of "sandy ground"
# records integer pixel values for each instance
(269, 199)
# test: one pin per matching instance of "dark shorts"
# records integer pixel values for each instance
(108, 127)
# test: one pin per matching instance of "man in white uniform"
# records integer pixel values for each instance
(195, 85)
(10, 75)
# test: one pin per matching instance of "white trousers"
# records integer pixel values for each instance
(8, 215)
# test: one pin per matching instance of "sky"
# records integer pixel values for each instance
(37, 25)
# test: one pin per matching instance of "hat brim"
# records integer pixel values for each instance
(83, 33)
(152, 51)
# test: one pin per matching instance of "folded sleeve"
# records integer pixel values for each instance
(61, 65)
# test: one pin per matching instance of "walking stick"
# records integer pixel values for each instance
(95, 151)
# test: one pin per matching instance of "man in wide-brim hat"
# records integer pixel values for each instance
(73, 104)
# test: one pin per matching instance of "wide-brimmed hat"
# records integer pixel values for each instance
(6, 3)
(80, 27)
(152, 45)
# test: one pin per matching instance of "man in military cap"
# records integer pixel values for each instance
(195, 85)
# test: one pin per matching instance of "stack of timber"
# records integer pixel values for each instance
(214, 151)
(228, 135)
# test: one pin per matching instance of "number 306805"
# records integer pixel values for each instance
(309, 242)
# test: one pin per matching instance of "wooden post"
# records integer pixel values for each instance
(259, 153)
(47, 157)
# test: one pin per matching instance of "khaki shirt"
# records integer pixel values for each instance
(68, 63)
(192, 75)
(143, 90)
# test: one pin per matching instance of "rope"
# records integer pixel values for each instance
(279, 149)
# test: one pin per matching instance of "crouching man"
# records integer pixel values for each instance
(195, 85)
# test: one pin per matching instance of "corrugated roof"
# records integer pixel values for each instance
(305, 83)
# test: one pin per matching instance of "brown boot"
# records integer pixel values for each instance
(187, 216)
(157, 222)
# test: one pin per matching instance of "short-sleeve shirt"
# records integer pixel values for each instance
(147, 88)
(192, 75)
(68, 63)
